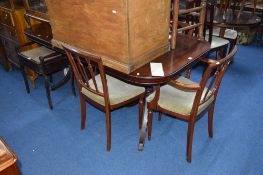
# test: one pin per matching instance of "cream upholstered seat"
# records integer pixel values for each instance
(229, 33)
(179, 101)
(217, 41)
(119, 91)
(35, 53)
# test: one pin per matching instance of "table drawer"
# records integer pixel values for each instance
(10, 50)
(7, 19)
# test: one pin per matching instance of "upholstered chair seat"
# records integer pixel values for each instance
(35, 53)
(229, 33)
(119, 91)
(217, 41)
(178, 100)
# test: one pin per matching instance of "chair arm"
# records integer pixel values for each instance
(185, 86)
(49, 56)
(208, 61)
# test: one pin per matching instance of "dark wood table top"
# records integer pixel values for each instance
(185, 55)
(229, 19)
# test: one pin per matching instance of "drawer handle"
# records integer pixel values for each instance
(6, 16)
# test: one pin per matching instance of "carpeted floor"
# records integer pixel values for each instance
(51, 142)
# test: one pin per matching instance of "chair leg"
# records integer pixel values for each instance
(141, 105)
(232, 45)
(149, 124)
(83, 111)
(108, 129)
(190, 134)
(210, 121)
(47, 86)
(51, 78)
(72, 81)
(22, 68)
(222, 52)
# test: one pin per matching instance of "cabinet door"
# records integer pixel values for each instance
(10, 49)
(3, 57)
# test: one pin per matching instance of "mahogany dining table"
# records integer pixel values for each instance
(186, 54)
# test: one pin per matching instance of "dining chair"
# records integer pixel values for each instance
(196, 24)
(185, 99)
(257, 8)
(219, 31)
(44, 62)
(100, 89)
(194, 13)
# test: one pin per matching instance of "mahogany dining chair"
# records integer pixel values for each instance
(99, 89)
(187, 100)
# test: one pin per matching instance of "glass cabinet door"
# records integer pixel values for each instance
(5, 4)
(18, 3)
(11, 4)
(37, 6)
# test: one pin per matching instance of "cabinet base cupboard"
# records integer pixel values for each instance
(125, 33)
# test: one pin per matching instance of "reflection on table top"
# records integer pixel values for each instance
(230, 18)
(186, 53)
(259, 6)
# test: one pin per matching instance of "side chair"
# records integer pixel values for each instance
(99, 89)
(228, 34)
(185, 99)
(193, 14)
(44, 62)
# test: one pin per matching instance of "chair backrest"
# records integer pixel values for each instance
(86, 66)
(212, 78)
(193, 8)
(189, 32)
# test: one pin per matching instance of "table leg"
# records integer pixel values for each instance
(143, 129)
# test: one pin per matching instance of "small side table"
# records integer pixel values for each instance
(7, 160)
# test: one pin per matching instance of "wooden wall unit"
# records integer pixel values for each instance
(125, 33)
(3, 57)
(12, 27)
(36, 17)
